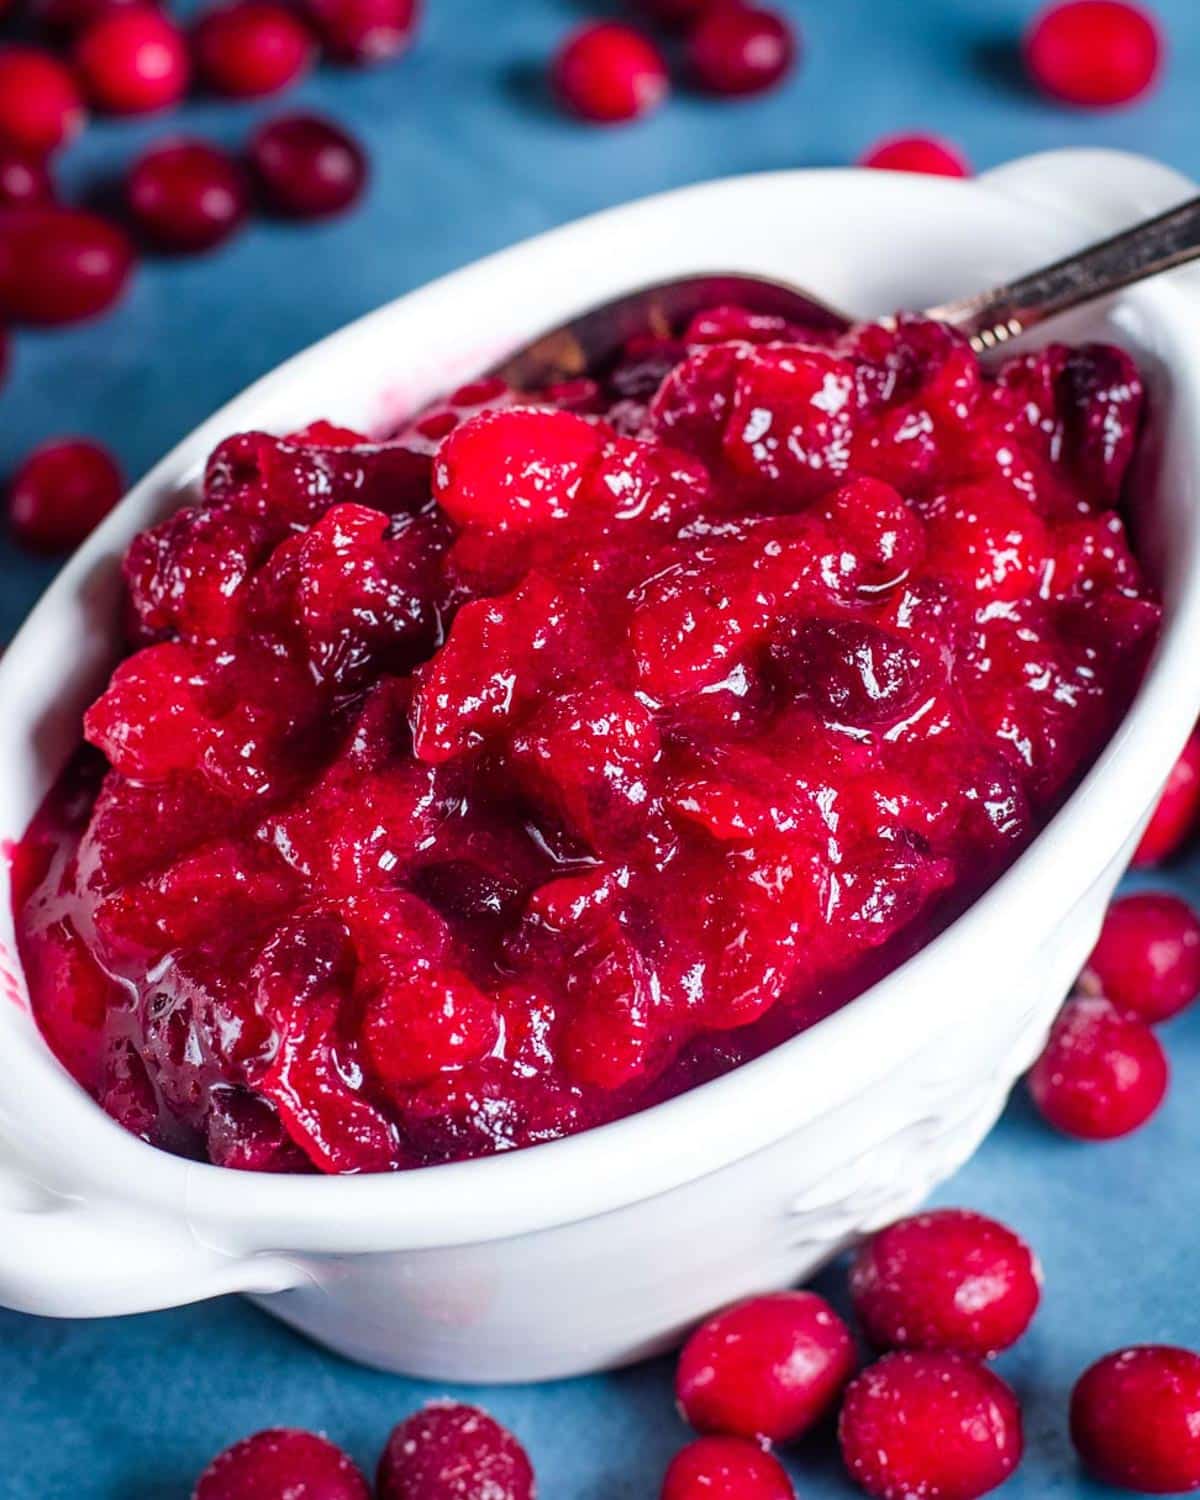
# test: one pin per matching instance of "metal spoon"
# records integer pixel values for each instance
(989, 319)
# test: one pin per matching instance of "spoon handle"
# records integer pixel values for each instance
(992, 318)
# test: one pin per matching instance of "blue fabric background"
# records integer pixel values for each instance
(469, 157)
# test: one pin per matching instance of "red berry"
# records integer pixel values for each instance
(766, 1368)
(726, 1468)
(282, 1463)
(1135, 1419)
(61, 492)
(936, 1425)
(186, 195)
(1093, 52)
(1174, 817)
(24, 179)
(449, 1451)
(740, 49)
(40, 105)
(65, 19)
(950, 1279)
(365, 31)
(1147, 959)
(1102, 1074)
(58, 265)
(606, 73)
(916, 153)
(307, 167)
(251, 48)
(133, 61)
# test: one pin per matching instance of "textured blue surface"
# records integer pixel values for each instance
(469, 157)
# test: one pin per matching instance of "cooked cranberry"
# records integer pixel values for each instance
(766, 1368)
(606, 73)
(24, 179)
(1176, 811)
(282, 1463)
(58, 265)
(133, 61)
(1094, 52)
(931, 1424)
(857, 673)
(1101, 1075)
(916, 153)
(251, 47)
(725, 1468)
(1147, 961)
(186, 195)
(307, 167)
(61, 492)
(365, 31)
(1135, 1419)
(740, 49)
(449, 1451)
(949, 1279)
(40, 105)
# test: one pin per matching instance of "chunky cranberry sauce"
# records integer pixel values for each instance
(468, 788)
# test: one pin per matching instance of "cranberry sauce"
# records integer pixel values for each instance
(463, 790)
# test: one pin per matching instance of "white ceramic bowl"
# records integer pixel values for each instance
(599, 1249)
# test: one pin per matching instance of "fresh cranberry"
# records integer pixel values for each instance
(24, 179)
(1094, 53)
(133, 61)
(65, 19)
(1176, 811)
(61, 492)
(726, 1468)
(1102, 1074)
(365, 31)
(607, 73)
(282, 1463)
(916, 153)
(307, 167)
(58, 265)
(40, 105)
(766, 1368)
(949, 1279)
(740, 49)
(449, 1451)
(1135, 1419)
(186, 195)
(250, 48)
(1147, 959)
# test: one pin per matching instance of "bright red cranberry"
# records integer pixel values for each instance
(726, 1468)
(768, 1367)
(1094, 52)
(365, 31)
(950, 1279)
(449, 1451)
(932, 1424)
(251, 48)
(40, 105)
(187, 195)
(282, 1463)
(61, 492)
(1175, 814)
(133, 61)
(916, 153)
(740, 49)
(1102, 1074)
(307, 167)
(1147, 959)
(1135, 1419)
(607, 73)
(58, 265)
(24, 179)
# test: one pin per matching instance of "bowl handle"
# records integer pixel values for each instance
(1107, 190)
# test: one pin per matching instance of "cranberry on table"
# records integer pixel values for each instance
(365, 31)
(1094, 53)
(607, 73)
(24, 178)
(133, 61)
(282, 1463)
(40, 105)
(1102, 1074)
(740, 49)
(1147, 959)
(768, 1368)
(932, 1424)
(949, 1279)
(307, 167)
(59, 265)
(1135, 1419)
(726, 1468)
(1175, 815)
(916, 153)
(187, 195)
(61, 492)
(450, 1451)
(251, 48)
